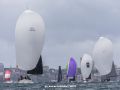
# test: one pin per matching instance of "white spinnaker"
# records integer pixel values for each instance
(86, 66)
(29, 36)
(103, 55)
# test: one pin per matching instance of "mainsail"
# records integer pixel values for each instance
(38, 69)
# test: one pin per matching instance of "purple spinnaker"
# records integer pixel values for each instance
(72, 68)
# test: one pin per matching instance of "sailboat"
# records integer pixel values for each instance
(71, 70)
(103, 56)
(86, 67)
(29, 37)
(8, 76)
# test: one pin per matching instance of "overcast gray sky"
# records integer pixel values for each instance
(72, 28)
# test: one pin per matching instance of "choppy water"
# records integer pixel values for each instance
(62, 86)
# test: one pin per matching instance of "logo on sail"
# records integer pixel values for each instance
(32, 29)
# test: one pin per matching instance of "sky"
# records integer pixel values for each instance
(72, 28)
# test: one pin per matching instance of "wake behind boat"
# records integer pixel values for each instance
(25, 81)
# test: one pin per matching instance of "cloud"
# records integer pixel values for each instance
(7, 53)
(72, 26)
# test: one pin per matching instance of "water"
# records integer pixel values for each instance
(62, 86)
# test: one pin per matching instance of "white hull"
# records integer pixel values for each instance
(25, 81)
(8, 82)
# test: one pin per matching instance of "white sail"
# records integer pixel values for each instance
(103, 55)
(86, 66)
(29, 37)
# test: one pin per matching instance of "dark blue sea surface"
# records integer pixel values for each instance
(62, 86)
